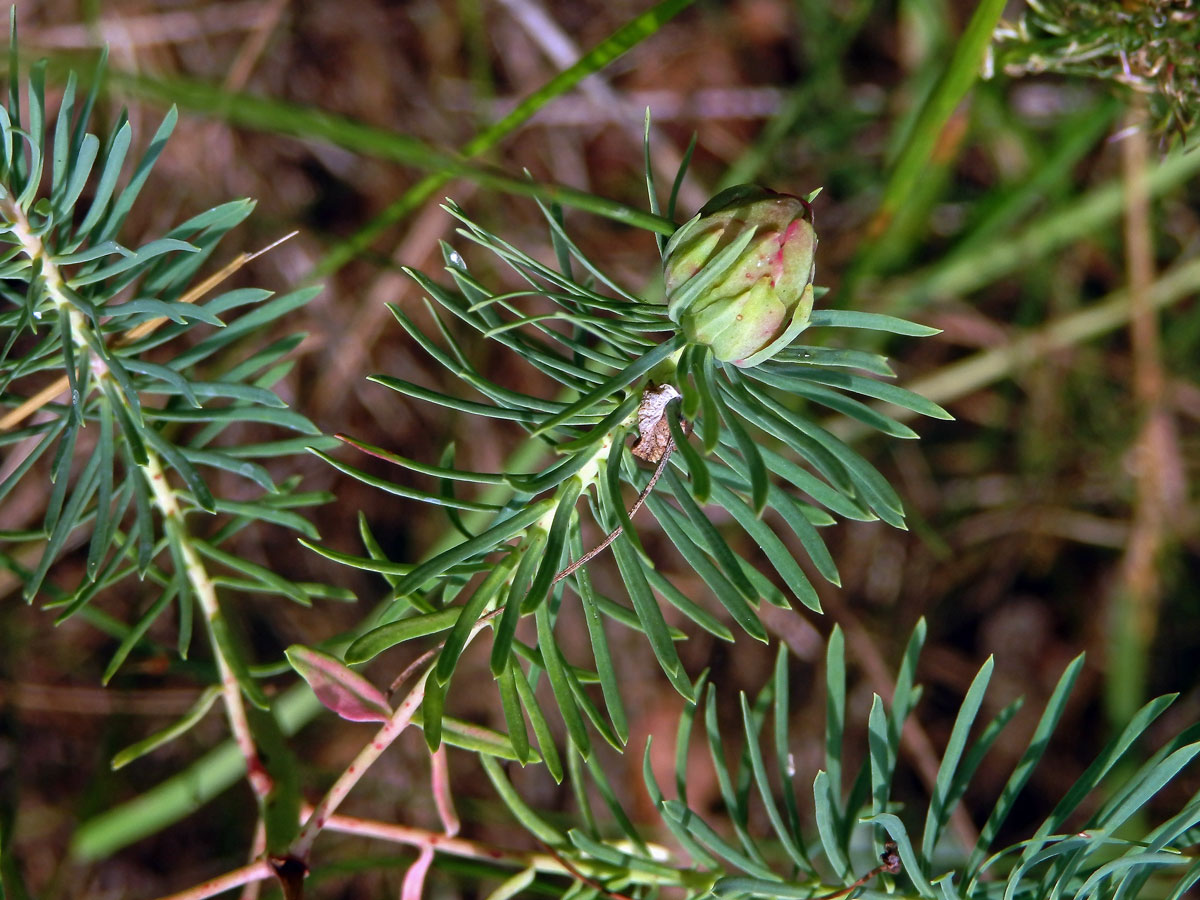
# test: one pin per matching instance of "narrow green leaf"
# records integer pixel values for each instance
(124, 202)
(36, 132)
(402, 491)
(881, 753)
(370, 644)
(177, 461)
(441, 471)
(107, 518)
(765, 792)
(250, 322)
(751, 457)
(140, 258)
(832, 456)
(835, 716)
(515, 886)
(190, 719)
(649, 614)
(60, 475)
(701, 856)
(556, 541)
(558, 682)
(228, 648)
(476, 738)
(433, 706)
(576, 678)
(255, 572)
(369, 564)
(70, 519)
(896, 831)
(283, 418)
(143, 523)
(1095, 773)
(829, 497)
(784, 760)
(531, 821)
(1144, 785)
(848, 381)
(705, 833)
(603, 430)
(939, 804)
(638, 860)
(68, 349)
(482, 544)
(840, 403)
(541, 729)
(373, 547)
(610, 386)
(695, 464)
(48, 439)
(736, 805)
(219, 460)
(510, 703)
(259, 511)
(62, 138)
(530, 557)
(770, 544)
(728, 596)
(471, 612)
(702, 371)
(845, 318)
(145, 308)
(687, 606)
(827, 828)
(905, 696)
(1038, 742)
(609, 682)
(804, 355)
(135, 634)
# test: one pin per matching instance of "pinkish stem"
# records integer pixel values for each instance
(256, 871)
(366, 758)
(441, 792)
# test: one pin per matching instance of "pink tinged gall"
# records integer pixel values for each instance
(338, 687)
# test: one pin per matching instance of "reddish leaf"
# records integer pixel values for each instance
(339, 688)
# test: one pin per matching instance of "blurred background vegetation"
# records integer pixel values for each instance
(1050, 231)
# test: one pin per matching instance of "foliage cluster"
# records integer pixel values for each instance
(130, 380)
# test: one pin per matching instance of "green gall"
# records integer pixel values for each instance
(739, 275)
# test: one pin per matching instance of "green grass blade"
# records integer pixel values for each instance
(961, 72)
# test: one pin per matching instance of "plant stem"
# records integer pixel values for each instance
(164, 494)
(366, 757)
(206, 595)
(256, 871)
